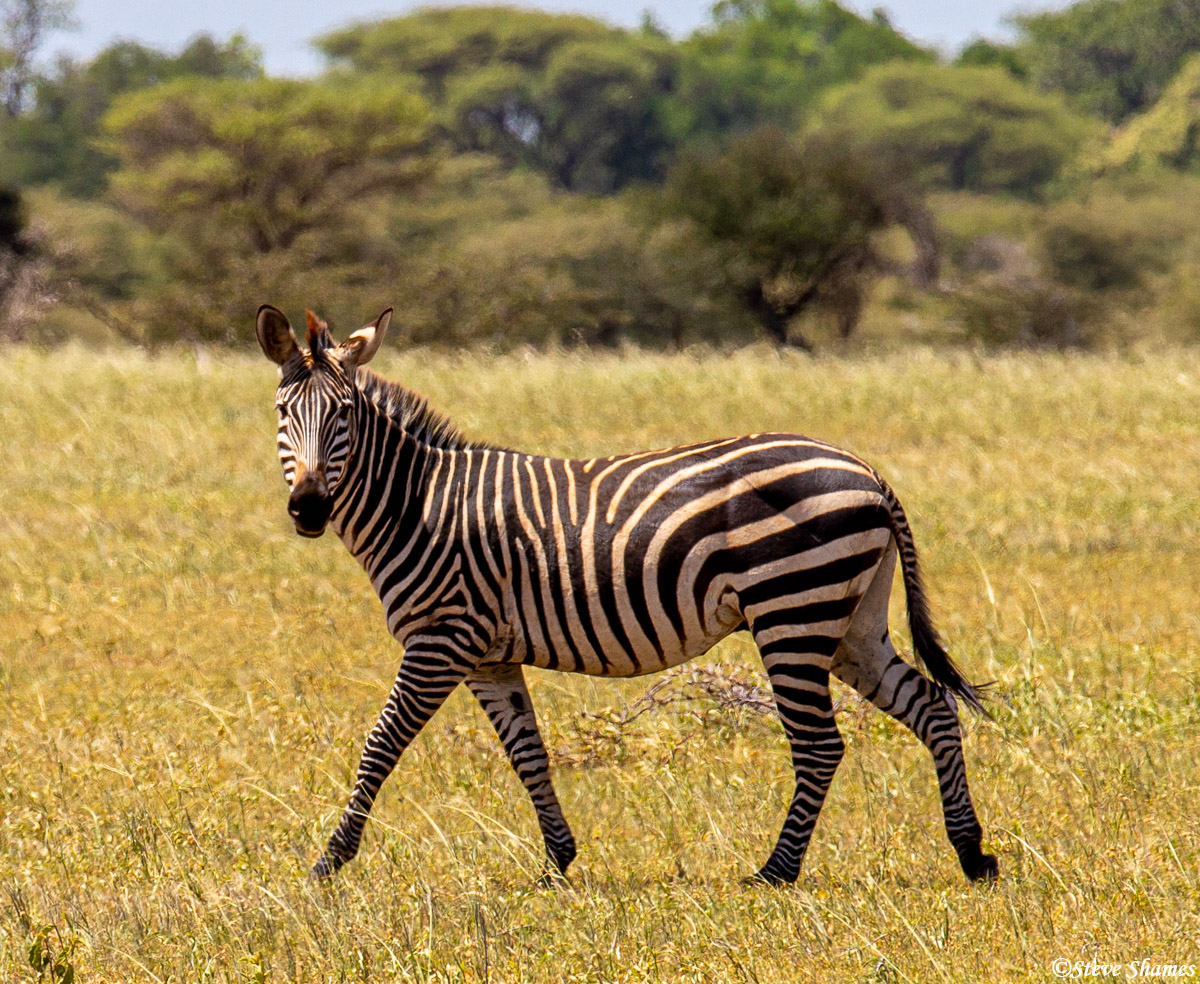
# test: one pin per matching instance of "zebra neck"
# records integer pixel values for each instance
(381, 501)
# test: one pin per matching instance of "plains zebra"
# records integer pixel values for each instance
(488, 559)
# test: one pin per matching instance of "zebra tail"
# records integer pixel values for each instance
(926, 641)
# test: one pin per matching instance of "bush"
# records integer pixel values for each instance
(570, 273)
(1026, 312)
(1176, 309)
(23, 293)
(1091, 249)
(1067, 275)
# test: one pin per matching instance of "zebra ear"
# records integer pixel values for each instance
(361, 347)
(275, 335)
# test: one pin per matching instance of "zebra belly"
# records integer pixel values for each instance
(564, 654)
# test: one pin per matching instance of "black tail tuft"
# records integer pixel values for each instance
(926, 642)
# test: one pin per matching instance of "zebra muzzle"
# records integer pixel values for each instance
(310, 505)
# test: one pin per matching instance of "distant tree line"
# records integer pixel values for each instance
(512, 176)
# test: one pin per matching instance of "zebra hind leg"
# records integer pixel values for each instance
(502, 693)
(800, 680)
(867, 661)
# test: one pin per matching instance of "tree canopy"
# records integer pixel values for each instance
(251, 181)
(596, 107)
(552, 178)
(56, 139)
(1115, 57)
(963, 128)
(763, 62)
(1166, 136)
(568, 95)
(438, 45)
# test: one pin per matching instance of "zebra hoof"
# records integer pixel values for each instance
(552, 879)
(769, 878)
(324, 869)
(982, 868)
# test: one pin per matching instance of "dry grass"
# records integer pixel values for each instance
(184, 686)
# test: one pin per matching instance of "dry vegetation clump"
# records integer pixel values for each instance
(185, 685)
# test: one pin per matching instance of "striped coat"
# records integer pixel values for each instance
(487, 560)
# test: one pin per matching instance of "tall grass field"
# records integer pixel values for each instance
(185, 686)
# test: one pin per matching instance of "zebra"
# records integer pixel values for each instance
(487, 560)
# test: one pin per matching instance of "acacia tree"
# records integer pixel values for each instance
(568, 95)
(54, 139)
(796, 224)
(1114, 56)
(763, 62)
(1165, 136)
(964, 128)
(247, 186)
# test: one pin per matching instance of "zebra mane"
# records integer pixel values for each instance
(412, 413)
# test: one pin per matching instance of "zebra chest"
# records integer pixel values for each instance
(425, 597)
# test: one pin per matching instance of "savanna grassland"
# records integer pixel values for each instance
(185, 684)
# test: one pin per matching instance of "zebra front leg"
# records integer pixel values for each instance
(800, 681)
(422, 685)
(501, 692)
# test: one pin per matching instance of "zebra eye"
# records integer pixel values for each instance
(283, 410)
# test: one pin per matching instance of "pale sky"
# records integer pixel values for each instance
(283, 29)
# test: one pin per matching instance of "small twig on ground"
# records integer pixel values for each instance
(729, 692)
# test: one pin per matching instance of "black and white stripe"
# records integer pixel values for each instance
(487, 560)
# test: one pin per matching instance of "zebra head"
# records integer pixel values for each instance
(315, 400)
